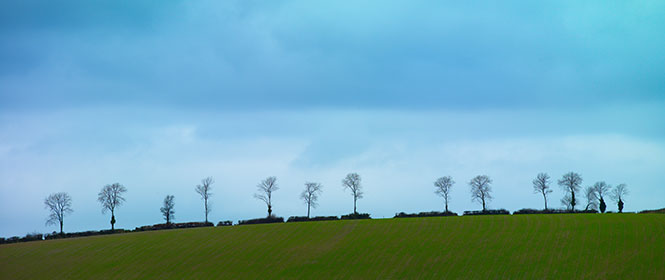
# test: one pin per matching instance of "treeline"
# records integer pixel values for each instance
(111, 197)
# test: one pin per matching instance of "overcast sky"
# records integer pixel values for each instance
(157, 95)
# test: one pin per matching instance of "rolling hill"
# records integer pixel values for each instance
(589, 246)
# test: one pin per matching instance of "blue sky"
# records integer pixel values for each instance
(158, 95)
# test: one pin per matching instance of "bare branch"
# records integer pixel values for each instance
(443, 187)
(352, 182)
(111, 197)
(571, 182)
(168, 209)
(265, 190)
(59, 205)
(205, 190)
(542, 185)
(310, 195)
(481, 189)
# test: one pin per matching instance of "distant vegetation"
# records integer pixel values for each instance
(657, 211)
(111, 197)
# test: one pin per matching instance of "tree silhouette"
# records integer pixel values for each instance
(310, 195)
(59, 204)
(111, 197)
(570, 182)
(352, 182)
(205, 190)
(266, 188)
(618, 194)
(443, 186)
(591, 197)
(168, 209)
(481, 189)
(542, 185)
(601, 188)
(566, 201)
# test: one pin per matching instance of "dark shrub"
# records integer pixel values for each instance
(487, 212)
(32, 237)
(536, 211)
(3, 240)
(224, 223)
(620, 204)
(268, 220)
(13, 239)
(553, 211)
(297, 219)
(305, 219)
(324, 218)
(56, 235)
(425, 214)
(657, 211)
(355, 216)
(602, 206)
(175, 225)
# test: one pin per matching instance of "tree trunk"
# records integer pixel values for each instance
(112, 221)
(483, 205)
(354, 205)
(269, 210)
(60, 226)
(545, 197)
(308, 205)
(572, 201)
(446, 207)
(206, 209)
(620, 204)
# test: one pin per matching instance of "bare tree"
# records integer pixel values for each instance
(352, 182)
(570, 182)
(59, 204)
(168, 210)
(618, 194)
(591, 197)
(567, 201)
(111, 197)
(481, 189)
(205, 190)
(265, 190)
(443, 186)
(310, 195)
(541, 185)
(601, 188)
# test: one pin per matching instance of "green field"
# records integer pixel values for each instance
(582, 246)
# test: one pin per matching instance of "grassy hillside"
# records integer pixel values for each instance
(628, 246)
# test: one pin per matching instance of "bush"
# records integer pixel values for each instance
(324, 218)
(487, 212)
(175, 225)
(224, 223)
(553, 211)
(657, 211)
(32, 237)
(536, 211)
(425, 214)
(305, 219)
(56, 235)
(355, 216)
(268, 220)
